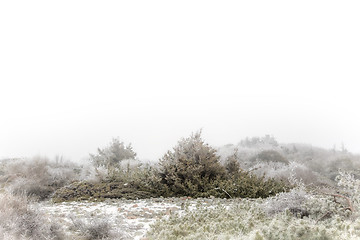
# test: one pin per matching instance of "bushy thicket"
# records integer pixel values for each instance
(133, 183)
(299, 214)
(193, 169)
(256, 167)
(21, 221)
(118, 174)
(38, 177)
(264, 156)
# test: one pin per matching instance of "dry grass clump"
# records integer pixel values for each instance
(20, 221)
(95, 229)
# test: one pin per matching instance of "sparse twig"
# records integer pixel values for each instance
(324, 216)
(348, 200)
(350, 206)
(224, 191)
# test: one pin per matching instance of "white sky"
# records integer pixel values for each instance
(74, 74)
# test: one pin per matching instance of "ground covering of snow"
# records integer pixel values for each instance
(131, 218)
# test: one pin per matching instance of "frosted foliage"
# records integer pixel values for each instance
(315, 166)
(283, 171)
(94, 174)
(351, 185)
(299, 214)
(21, 221)
(262, 219)
(244, 219)
(113, 154)
(129, 164)
(294, 199)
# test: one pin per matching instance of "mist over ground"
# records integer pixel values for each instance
(272, 84)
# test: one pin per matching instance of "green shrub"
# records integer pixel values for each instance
(193, 169)
(190, 167)
(131, 183)
(232, 164)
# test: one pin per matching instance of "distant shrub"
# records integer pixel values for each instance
(112, 155)
(271, 156)
(20, 221)
(267, 140)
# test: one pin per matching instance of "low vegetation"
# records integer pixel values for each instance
(20, 221)
(37, 177)
(277, 191)
(298, 214)
(192, 169)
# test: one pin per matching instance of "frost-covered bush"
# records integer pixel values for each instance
(193, 169)
(92, 174)
(294, 200)
(190, 167)
(351, 187)
(21, 221)
(246, 219)
(283, 172)
(313, 165)
(301, 213)
(38, 176)
(137, 182)
(112, 155)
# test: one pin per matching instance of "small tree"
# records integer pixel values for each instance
(190, 167)
(112, 155)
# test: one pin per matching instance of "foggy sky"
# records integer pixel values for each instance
(75, 74)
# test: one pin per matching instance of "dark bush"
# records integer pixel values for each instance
(232, 164)
(190, 167)
(78, 191)
(193, 169)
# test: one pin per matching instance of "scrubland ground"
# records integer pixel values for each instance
(256, 190)
(210, 218)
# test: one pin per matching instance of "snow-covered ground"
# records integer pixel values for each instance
(131, 218)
